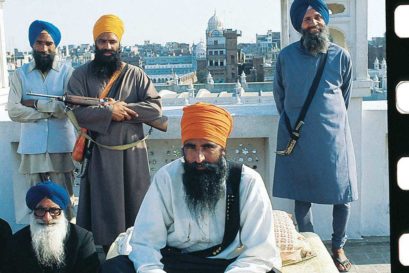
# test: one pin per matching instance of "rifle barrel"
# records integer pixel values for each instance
(44, 95)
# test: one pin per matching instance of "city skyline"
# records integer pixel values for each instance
(177, 20)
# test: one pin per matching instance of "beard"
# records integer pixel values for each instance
(204, 188)
(104, 66)
(316, 43)
(48, 241)
(43, 61)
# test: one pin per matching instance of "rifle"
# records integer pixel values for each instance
(160, 123)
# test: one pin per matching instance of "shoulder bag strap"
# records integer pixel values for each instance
(295, 133)
(232, 223)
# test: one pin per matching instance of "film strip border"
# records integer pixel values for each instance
(397, 53)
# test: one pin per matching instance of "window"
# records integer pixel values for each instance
(216, 42)
(216, 63)
(210, 52)
(216, 52)
(232, 58)
(221, 52)
(211, 63)
(221, 63)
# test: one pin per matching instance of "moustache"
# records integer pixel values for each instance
(204, 166)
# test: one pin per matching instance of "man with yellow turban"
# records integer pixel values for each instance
(315, 161)
(116, 181)
(203, 213)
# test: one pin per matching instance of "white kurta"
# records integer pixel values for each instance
(164, 219)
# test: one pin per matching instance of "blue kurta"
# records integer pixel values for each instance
(321, 168)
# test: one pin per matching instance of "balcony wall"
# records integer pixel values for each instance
(253, 142)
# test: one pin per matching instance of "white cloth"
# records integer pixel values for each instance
(164, 219)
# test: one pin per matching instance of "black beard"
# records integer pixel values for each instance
(204, 188)
(316, 43)
(105, 66)
(43, 61)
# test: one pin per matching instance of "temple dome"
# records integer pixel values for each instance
(214, 23)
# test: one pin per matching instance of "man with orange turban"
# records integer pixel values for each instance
(116, 181)
(203, 213)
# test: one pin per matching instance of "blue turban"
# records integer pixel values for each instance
(299, 8)
(48, 189)
(37, 26)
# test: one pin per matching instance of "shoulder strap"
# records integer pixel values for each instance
(232, 223)
(115, 86)
(311, 93)
(107, 87)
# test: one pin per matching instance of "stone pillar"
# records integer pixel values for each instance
(288, 33)
(285, 19)
(361, 41)
(4, 82)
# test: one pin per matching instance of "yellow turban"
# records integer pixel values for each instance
(109, 23)
(206, 121)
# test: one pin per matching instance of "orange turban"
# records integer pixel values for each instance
(206, 121)
(109, 23)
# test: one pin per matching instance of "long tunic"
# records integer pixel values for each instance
(50, 150)
(165, 219)
(321, 168)
(81, 256)
(46, 161)
(116, 181)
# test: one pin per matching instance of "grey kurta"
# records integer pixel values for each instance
(321, 168)
(116, 182)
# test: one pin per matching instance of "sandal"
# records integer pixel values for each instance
(342, 266)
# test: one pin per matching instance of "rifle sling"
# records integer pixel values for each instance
(74, 121)
(295, 133)
(232, 223)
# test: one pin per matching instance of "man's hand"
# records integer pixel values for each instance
(29, 103)
(120, 112)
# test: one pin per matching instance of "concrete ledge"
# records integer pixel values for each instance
(322, 263)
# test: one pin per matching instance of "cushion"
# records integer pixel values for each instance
(293, 246)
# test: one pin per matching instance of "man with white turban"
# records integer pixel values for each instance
(116, 181)
(315, 162)
(202, 213)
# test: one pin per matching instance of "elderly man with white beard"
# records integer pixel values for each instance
(50, 243)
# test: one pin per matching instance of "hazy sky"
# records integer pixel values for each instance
(156, 20)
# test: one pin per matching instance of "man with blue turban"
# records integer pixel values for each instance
(47, 137)
(50, 243)
(315, 160)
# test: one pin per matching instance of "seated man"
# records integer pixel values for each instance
(50, 243)
(5, 235)
(203, 213)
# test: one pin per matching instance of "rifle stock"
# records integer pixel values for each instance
(160, 123)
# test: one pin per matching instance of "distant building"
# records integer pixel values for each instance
(221, 51)
(162, 69)
(268, 45)
(376, 50)
(378, 75)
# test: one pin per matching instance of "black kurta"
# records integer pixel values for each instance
(116, 181)
(81, 256)
(5, 236)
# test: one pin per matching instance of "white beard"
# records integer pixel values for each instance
(48, 240)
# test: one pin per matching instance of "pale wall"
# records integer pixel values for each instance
(255, 127)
